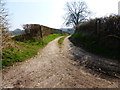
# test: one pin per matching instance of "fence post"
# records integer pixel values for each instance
(41, 32)
(98, 22)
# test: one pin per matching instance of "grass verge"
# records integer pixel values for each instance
(60, 41)
(22, 50)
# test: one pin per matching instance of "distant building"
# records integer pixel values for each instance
(119, 8)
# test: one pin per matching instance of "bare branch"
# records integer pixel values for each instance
(77, 12)
(4, 24)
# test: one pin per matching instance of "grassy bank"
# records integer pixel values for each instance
(22, 50)
(91, 44)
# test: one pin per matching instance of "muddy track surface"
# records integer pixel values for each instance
(53, 67)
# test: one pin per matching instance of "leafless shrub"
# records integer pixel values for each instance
(4, 24)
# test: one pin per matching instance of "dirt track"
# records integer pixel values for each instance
(53, 68)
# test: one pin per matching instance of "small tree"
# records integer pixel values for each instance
(77, 12)
(4, 25)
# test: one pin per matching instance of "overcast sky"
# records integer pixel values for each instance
(50, 12)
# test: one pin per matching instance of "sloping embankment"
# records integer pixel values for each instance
(102, 65)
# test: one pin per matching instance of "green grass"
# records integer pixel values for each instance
(51, 37)
(24, 49)
(60, 41)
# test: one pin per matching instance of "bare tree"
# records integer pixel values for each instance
(4, 25)
(77, 12)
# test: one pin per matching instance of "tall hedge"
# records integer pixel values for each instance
(102, 33)
(107, 26)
